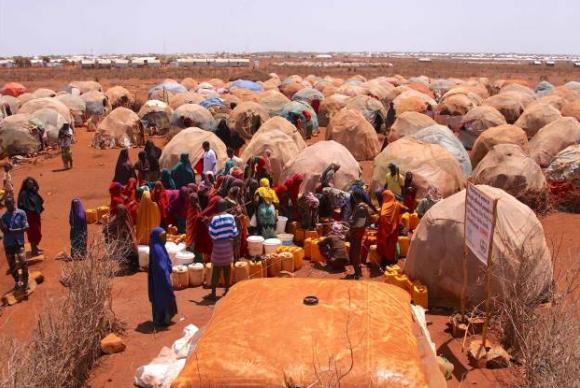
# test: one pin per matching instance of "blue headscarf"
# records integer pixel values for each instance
(160, 291)
(183, 173)
(167, 180)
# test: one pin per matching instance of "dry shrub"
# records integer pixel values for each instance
(66, 341)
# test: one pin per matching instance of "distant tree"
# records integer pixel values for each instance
(22, 61)
(46, 59)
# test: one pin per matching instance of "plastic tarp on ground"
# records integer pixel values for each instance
(553, 138)
(507, 167)
(119, 96)
(371, 108)
(431, 165)
(296, 109)
(76, 105)
(13, 89)
(351, 129)
(476, 121)
(156, 113)
(97, 103)
(312, 161)
(572, 109)
(502, 134)
(436, 253)
(440, 134)
(409, 123)
(365, 328)
(119, 128)
(192, 115)
(51, 121)
(84, 86)
(189, 142)
(283, 148)
(50, 103)
(536, 116)
(245, 84)
(507, 104)
(280, 123)
(20, 135)
(329, 106)
(273, 101)
(246, 118)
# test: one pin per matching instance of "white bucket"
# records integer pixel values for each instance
(271, 244)
(281, 224)
(172, 250)
(180, 277)
(143, 251)
(184, 258)
(195, 273)
(286, 238)
(255, 245)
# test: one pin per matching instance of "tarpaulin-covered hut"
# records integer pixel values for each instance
(192, 115)
(476, 121)
(118, 129)
(553, 138)
(502, 134)
(246, 118)
(537, 116)
(189, 141)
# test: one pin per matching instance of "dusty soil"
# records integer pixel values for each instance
(89, 181)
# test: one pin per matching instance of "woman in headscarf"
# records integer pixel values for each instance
(360, 189)
(160, 196)
(333, 248)
(193, 212)
(267, 201)
(161, 293)
(285, 205)
(78, 229)
(153, 153)
(124, 169)
(308, 206)
(431, 198)
(267, 162)
(251, 187)
(225, 185)
(359, 221)
(120, 237)
(203, 243)
(205, 188)
(167, 180)
(130, 190)
(388, 233)
(183, 173)
(293, 184)
(339, 200)
(143, 169)
(30, 200)
(177, 209)
(115, 191)
(148, 217)
(409, 192)
(327, 176)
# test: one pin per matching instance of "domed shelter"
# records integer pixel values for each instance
(76, 105)
(118, 129)
(51, 121)
(351, 89)
(273, 101)
(20, 135)
(119, 96)
(311, 96)
(502, 134)
(412, 101)
(291, 88)
(421, 87)
(431, 165)
(155, 113)
(43, 92)
(189, 83)
(443, 136)
(508, 167)
(192, 115)
(189, 141)
(563, 175)
(244, 94)
(246, 84)
(519, 249)
(170, 87)
(12, 103)
(351, 129)
(381, 90)
(507, 104)
(544, 88)
(572, 109)
(24, 98)
(302, 116)
(536, 116)
(281, 124)
(50, 103)
(246, 118)
(283, 149)
(518, 89)
(97, 103)
(371, 108)
(329, 106)
(176, 100)
(312, 161)
(13, 89)
(83, 87)
(409, 123)
(476, 121)
(553, 138)
(455, 105)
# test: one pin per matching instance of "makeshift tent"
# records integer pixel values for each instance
(572, 109)
(431, 165)
(312, 161)
(440, 134)
(476, 121)
(244, 94)
(371, 108)
(544, 88)
(229, 100)
(563, 174)
(43, 92)
(119, 96)
(476, 93)
(555, 100)
(573, 85)
(455, 105)
(118, 129)
(245, 84)
(51, 121)
(51, 103)
(76, 105)
(171, 87)
(97, 103)
(12, 103)
(281, 124)
(502, 134)
(536, 116)
(553, 138)
(297, 110)
(421, 88)
(507, 104)
(20, 135)
(412, 100)
(176, 100)
(192, 115)
(189, 141)
(517, 88)
(408, 123)
(351, 90)
(189, 83)
(310, 96)
(246, 118)
(13, 89)
(381, 90)
(289, 89)
(351, 129)
(83, 87)
(214, 105)
(508, 167)
(24, 98)
(283, 148)
(217, 83)
(273, 101)
(519, 252)
(329, 106)
(366, 329)
(271, 84)
(155, 113)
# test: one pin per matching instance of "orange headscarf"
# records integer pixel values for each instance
(148, 217)
(389, 220)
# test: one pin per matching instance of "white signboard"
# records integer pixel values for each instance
(479, 222)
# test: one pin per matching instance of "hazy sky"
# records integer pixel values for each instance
(30, 27)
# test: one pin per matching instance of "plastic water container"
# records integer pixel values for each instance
(184, 257)
(281, 224)
(143, 251)
(241, 271)
(420, 295)
(404, 245)
(255, 245)
(101, 211)
(172, 250)
(255, 269)
(180, 277)
(195, 274)
(274, 265)
(91, 215)
(287, 261)
(286, 238)
(271, 244)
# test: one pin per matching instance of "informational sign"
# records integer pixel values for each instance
(479, 222)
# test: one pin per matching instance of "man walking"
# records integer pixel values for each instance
(13, 224)
(209, 158)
